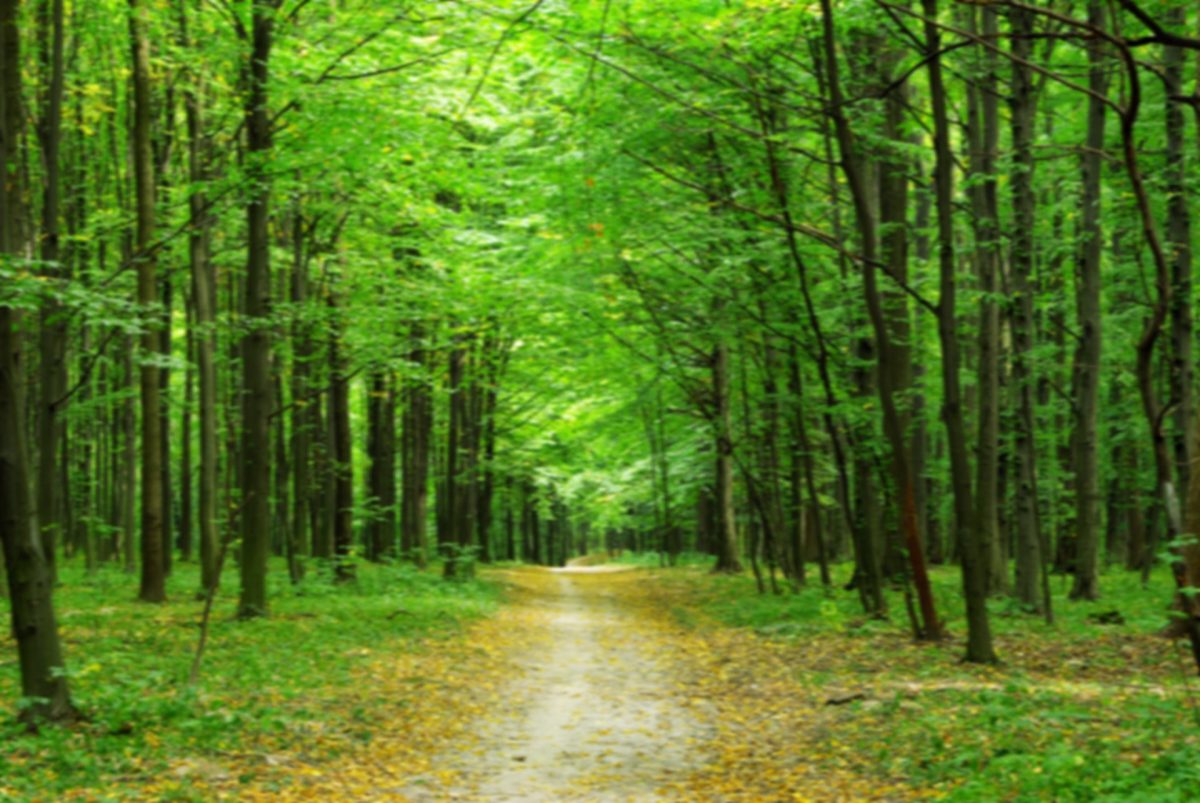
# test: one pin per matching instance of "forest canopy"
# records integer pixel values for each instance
(321, 284)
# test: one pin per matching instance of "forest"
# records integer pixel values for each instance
(599, 399)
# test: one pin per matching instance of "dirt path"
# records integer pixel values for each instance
(592, 710)
(582, 687)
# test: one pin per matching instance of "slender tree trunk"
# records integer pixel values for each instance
(52, 345)
(153, 582)
(418, 427)
(979, 633)
(30, 586)
(727, 541)
(1087, 353)
(204, 301)
(983, 127)
(1030, 553)
(893, 245)
(510, 535)
(381, 475)
(305, 410)
(256, 344)
(930, 627)
(127, 487)
(186, 531)
(490, 394)
(164, 422)
(343, 467)
(802, 452)
(1179, 249)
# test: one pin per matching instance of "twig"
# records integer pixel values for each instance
(211, 595)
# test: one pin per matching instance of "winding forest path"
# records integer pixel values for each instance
(597, 706)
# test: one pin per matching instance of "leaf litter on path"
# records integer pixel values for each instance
(583, 687)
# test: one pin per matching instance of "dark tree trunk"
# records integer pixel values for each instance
(1031, 555)
(153, 525)
(204, 300)
(256, 344)
(416, 434)
(1087, 353)
(983, 128)
(305, 411)
(343, 468)
(381, 476)
(727, 542)
(185, 439)
(30, 586)
(52, 345)
(1179, 248)
(930, 628)
(979, 634)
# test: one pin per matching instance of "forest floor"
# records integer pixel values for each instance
(612, 683)
(586, 686)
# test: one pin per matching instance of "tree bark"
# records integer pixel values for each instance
(204, 301)
(381, 476)
(979, 633)
(416, 435)
(52, 346)
(1087, 352)
(728, 559)
(30, 586)
(256, 344)
(343, 467)
(983, 129)
(1179, 251)
(1030, 554)
(153, 578)
(868, 241)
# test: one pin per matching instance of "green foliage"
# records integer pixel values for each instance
(1080, 711)
(263, 681)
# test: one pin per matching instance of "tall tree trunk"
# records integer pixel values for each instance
(164, 422)
(983, 127)
(1179, 249)
(727, 541)
(256, 344)
(868, 241)
(893, 244)
(1030, 553)
(979, 633)
(126, 488)
(456, 537)
(381, 476)
(802, 453)
(416, 436)
(52, 346)
(304, 410)
(153, 581)
(30, 586)
(872, 598)
(204, 300)
(186, 531)
(343, 467)
(493, 359)
(1087, 352)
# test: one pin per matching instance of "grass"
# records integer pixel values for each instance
(1078, 710)
(263, 683)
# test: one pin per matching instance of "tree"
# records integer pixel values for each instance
(44, 684)
(256, 346)
(153, 586)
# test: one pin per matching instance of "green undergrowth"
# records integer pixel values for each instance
(261, 681)
(1097, 706)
